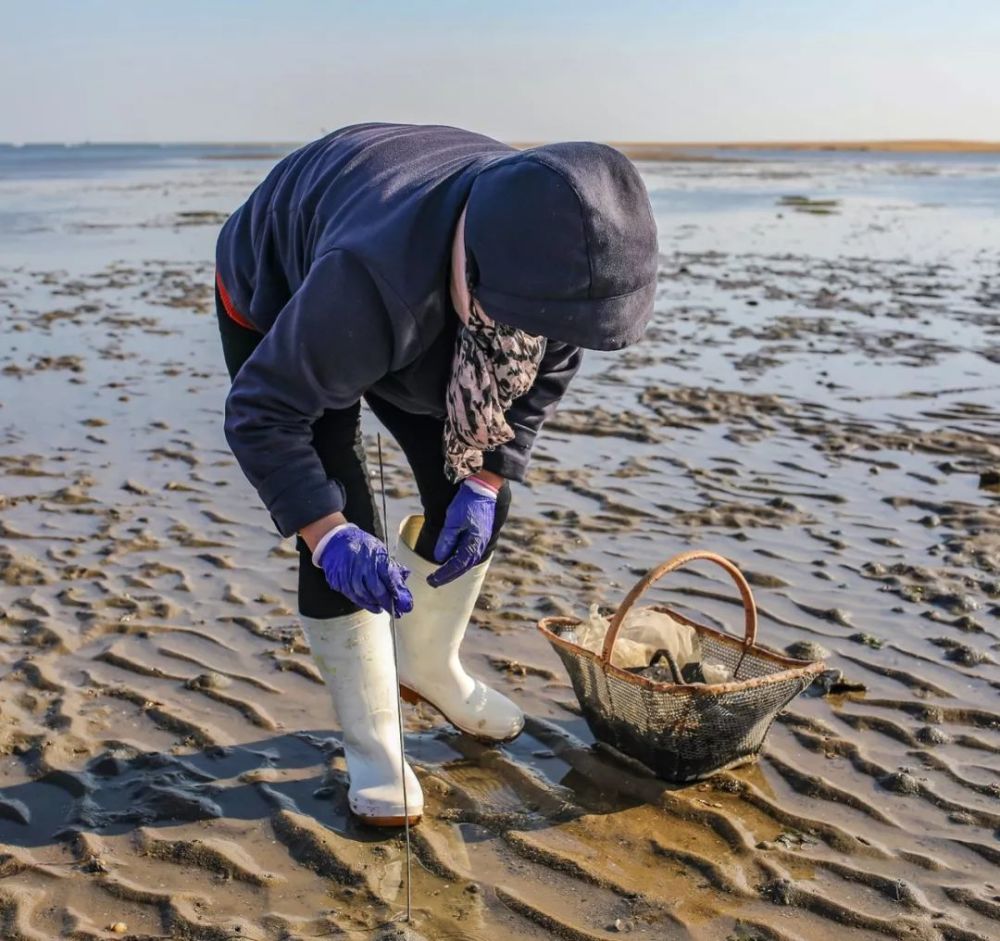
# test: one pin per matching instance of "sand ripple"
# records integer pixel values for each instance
(169, 759)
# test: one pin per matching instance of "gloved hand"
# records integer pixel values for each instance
(358, 566)
(468, 526)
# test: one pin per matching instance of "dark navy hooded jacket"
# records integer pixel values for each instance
(341, 258)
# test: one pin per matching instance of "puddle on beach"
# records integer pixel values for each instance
(816, 400)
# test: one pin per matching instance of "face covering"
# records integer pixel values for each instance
(493, 365)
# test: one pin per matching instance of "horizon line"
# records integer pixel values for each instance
(910, 144)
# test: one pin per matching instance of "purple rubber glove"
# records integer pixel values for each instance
(358, 566)
(468, 526)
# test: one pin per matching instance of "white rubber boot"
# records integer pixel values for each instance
(354, 655)
(428, 640)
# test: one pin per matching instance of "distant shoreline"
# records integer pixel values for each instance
(654, 150)
(639, 150)
(685, 150)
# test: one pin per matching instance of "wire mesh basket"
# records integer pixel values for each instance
(683, 731)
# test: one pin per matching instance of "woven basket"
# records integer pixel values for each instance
(683, 732)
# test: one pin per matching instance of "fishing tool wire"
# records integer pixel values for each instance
(399, 704)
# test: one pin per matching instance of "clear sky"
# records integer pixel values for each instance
(167, 70)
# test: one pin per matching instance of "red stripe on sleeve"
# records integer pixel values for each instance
(230, 308)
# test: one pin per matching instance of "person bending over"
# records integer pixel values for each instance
(451, 282)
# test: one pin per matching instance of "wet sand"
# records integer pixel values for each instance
(816, 399)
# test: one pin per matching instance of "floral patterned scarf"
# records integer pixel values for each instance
(493, 365)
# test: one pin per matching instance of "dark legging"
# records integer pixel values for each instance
(337, 440)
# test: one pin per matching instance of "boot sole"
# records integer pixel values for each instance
(413, 698)
(389, 821)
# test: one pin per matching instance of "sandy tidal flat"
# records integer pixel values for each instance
(816, 399)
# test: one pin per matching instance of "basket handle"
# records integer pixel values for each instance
(671, 565)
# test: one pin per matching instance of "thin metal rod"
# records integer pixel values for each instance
(399, 704)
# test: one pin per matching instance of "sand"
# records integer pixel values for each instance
(169, 762)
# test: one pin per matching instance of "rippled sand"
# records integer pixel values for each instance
(169, 759)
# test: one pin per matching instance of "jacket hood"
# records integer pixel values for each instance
(561, 243)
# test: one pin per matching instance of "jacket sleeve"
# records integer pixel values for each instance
(525, 416)
(330, 342)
